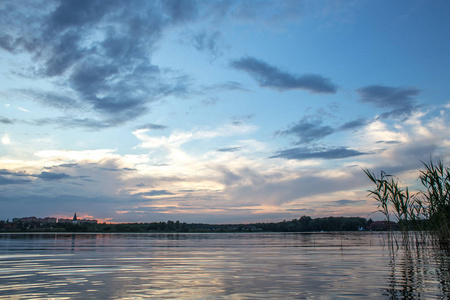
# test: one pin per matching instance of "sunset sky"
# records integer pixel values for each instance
(217, 111)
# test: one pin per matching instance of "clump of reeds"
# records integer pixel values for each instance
(436, 179)
(427, 210)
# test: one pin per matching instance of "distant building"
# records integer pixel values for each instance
(383, 226)
(65, 220)
(88, 221)
(51, 220)
(46, 220)
(75, 220)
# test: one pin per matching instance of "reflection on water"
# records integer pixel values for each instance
(220, 266)
(416, 271)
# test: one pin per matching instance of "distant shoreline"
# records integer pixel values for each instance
(304, 224)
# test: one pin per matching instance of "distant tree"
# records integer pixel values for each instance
(304, 223)
(170, 225)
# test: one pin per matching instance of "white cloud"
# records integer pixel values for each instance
(23, 109)
(178, 138)
(6, 139)
(378, 131)
(65, 155)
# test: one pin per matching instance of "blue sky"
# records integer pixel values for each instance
(217, 111)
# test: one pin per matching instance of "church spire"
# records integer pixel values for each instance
(75, 217)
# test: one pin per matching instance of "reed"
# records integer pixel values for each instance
(425, 211)
(380, 193)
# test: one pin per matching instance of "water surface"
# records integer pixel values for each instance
(218, 266)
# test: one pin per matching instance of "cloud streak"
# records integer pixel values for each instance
(51, 176)
(272, 77)
(154, 193)
(303, 153)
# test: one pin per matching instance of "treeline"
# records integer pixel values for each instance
(306, 223)
(303, 224)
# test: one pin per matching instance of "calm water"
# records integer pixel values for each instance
(218, 266)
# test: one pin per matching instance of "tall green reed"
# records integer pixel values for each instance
(380, 193)
(393, 200)
(430, 212)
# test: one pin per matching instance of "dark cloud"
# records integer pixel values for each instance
(50, 176)
(227, 86)
(152, 126)
(321, 153)
(210, 101)
(7, 43)
(403, 112)
(384, 96)
(238, 120)
(64, 55)
(187, 191)
(401, 100)
(74, 13)
(52, 99)
(220, 87)
(5, 180)
(308, 130)
(208, 42)
(68, 165)
(180, 11)
(115, 169)
(20, 174)
(271, 12)
(244, 176)
(388, 142)
(4, 120)
(272, 77)
(142, 185)
(101, 51)
(231, 149)
(63, 122)
(154, 193)
(233, 85)
(354, 124)
(5, 177)
(340, 203)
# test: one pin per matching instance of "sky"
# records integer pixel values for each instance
(217, 111)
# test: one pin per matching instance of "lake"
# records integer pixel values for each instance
(355, 265)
